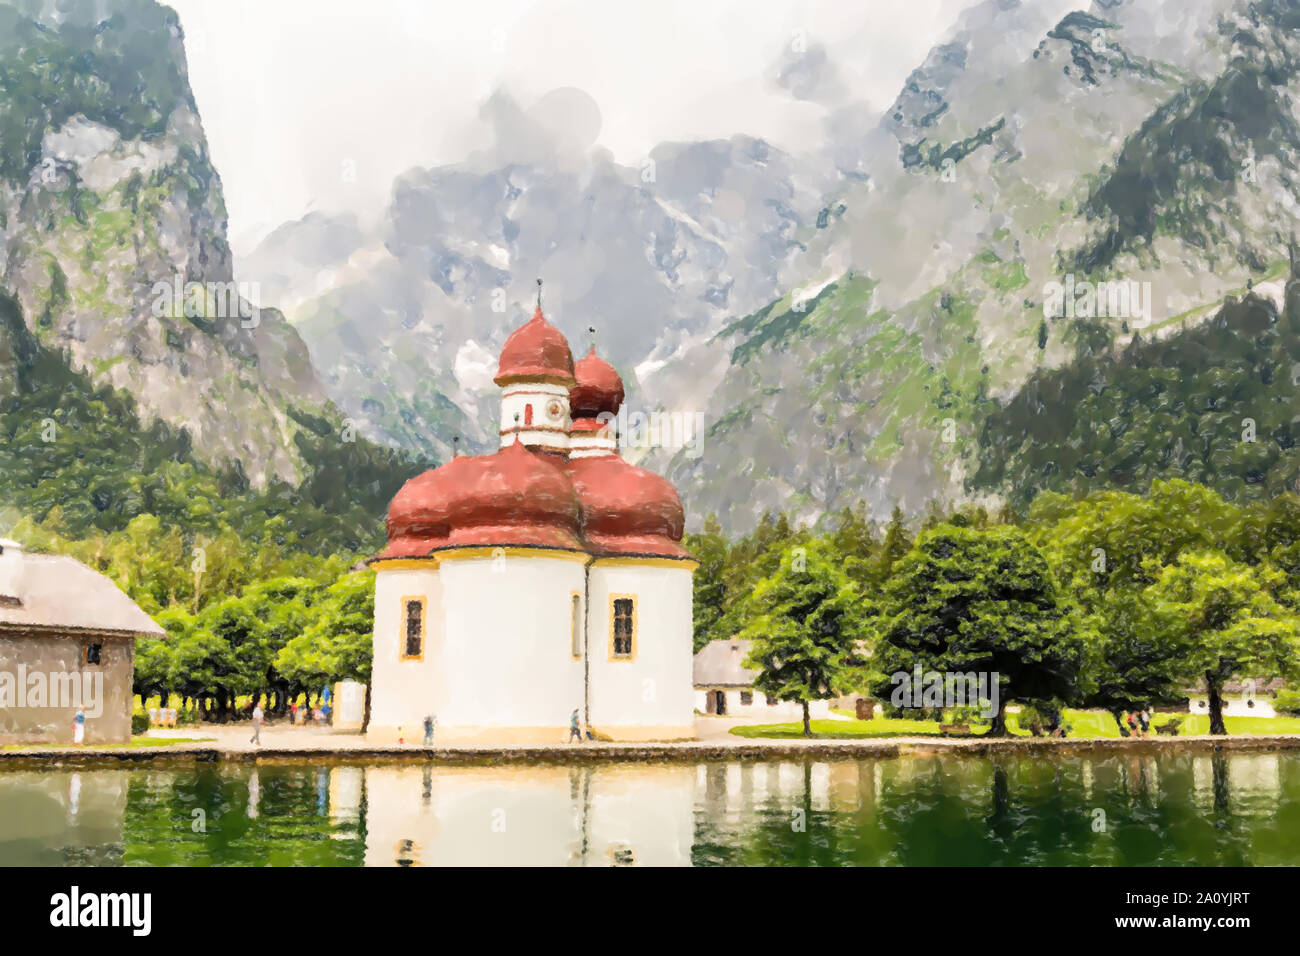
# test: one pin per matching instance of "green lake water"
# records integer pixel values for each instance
(1114, 809)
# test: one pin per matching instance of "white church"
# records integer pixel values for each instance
(544, 578)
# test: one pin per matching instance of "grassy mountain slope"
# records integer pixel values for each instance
(75, 454)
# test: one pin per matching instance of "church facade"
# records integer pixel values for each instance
(546, 577)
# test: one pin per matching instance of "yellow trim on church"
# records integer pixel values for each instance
(534, 380)
(404, 564)
(488, 552)
(689, 564)
(521, 551)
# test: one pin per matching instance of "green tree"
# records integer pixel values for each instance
(985, 601)
(338, 644)
(1228, 620)
(806, 622)
(854, 540)
(1106, 550)
(204, 666)
(710, 581)
(154, 667)
(897, 542)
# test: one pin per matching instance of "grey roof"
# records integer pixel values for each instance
(57, 592)
(719, 664)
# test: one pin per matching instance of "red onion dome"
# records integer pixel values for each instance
(514, 497)
(627, 510)
(598, 388)
(536, 349)
(419, 514)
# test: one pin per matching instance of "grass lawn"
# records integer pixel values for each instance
(1088, 724)
(1266, 726)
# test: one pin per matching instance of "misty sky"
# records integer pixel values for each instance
(318, 105)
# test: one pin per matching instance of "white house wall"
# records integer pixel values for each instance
(1235, 705)
(783, 711)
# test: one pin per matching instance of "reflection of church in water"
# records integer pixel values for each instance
(608, 814)
(588, 815)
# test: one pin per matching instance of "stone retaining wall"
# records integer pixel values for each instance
(602, 752)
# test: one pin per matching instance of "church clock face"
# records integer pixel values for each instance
(554, 409)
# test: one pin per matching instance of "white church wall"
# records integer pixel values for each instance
(508, 643)
(649, 695)
(404, 690)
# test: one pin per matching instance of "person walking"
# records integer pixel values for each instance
(79, 727)
(575, 729)
(429, 721)
(257, 725)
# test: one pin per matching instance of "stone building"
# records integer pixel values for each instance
(724, 687)
(67, 642)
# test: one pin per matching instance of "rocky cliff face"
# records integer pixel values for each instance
(405, 322)
(1138, 141)
(112, 232)
(843, 317)
(846, 319)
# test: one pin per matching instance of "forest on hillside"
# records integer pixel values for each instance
(1215, 403)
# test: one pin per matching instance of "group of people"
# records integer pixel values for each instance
(297, 714)
(308, 714)
(1139, 722)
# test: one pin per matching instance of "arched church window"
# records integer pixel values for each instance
(622, 626)
(413, 638)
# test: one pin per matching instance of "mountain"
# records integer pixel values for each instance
(77, 457)
(867, 318)
(405, 320)
(1111, 146)
(136, 377)
(113, 233)
(848, 316)
(1214, 403)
